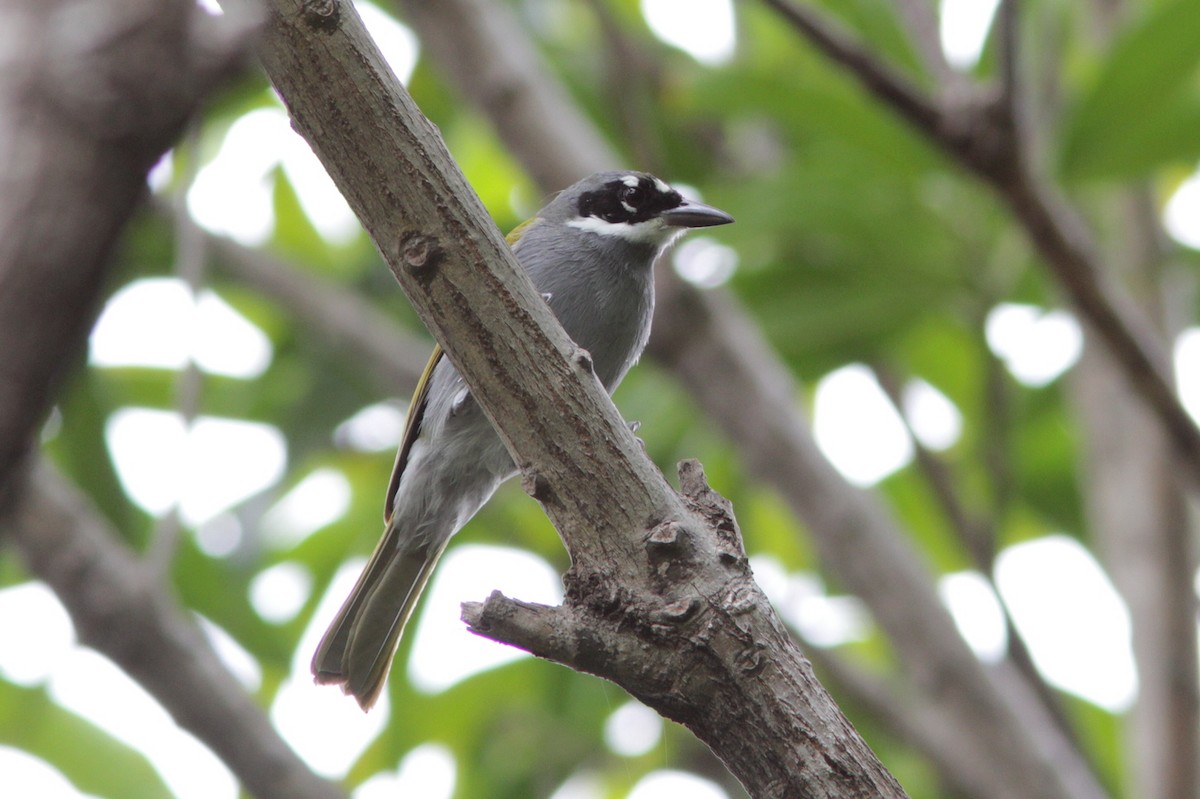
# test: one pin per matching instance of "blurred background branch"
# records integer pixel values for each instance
(120, 608)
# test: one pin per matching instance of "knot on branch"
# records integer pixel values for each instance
(583, 359)
(716, 510)
(674, 613)
(322, 15)
(536, 484)
(670, 550)
(419, 252)
(753, 659)
(978, 126)
(599, 593)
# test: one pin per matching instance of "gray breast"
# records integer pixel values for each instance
(601, 289)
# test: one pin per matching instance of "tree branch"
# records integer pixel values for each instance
(85, 111)
(1147, 543)
(638, 550)
(862, 544)
(977, 536)
(983, 136)
(921, 21)
(119, 608)
(707, 341)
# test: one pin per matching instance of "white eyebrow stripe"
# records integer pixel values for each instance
(662, 186)
(631, 181)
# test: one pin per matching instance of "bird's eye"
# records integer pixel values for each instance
(634, 195)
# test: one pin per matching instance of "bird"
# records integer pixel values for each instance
(590, 253)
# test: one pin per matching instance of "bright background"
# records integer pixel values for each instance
(259, 184)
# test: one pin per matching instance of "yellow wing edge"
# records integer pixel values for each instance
(416, 409)
(412, 429)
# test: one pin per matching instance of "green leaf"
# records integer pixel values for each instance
(1141, 109)
(94, 761)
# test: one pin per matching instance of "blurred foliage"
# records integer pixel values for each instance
(858, 243)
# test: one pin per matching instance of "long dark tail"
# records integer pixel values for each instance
(357, 650)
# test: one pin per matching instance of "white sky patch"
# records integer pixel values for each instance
(803, 603)
(1187, 369)
(232, 194)
(632, 729)
(977, 613)
(220, 535)
(160, 175)
(1076, 625)
(396, 42)
(157, 323)
(581, 785)
(325, 727)
(226, 343)
(279, 592)
(205, 469)
(704, 262)
(428, 771)
(704, 29)
(669, 782)
(935, 420)
(236, 658)
(27, 775)
(443, 652)
(375, 428)
(92, 687)
(318, 500)
(1036, 345)
(964, 29)
(857, 427)
(37, 631)
(1181, 217)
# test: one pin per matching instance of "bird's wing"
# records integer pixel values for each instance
(412, 429)
(416, 411)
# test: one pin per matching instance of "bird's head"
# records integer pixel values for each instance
(634, 206)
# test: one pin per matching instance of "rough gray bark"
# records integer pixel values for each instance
(1004, 743)
(120, 609)
(91, 94)
(659, 596)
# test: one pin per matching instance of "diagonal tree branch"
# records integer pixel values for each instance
(119, 607)
(982, 135)
(978, 536)
(85, 111)
(920, 18)
(708, 342)
(670, 566)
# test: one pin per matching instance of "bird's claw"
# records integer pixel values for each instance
(633, 428)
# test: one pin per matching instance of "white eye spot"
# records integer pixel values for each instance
(631, 181)
(627, 206)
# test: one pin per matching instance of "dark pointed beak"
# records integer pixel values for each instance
(693, 214)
